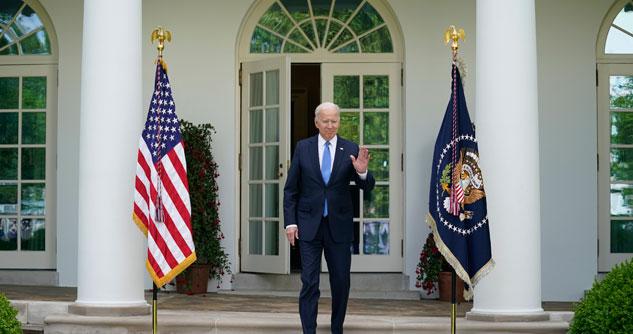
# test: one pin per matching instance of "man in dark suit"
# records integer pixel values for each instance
(318, 212)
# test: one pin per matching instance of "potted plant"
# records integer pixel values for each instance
(202, 170)
(434, 274)
(429, 268)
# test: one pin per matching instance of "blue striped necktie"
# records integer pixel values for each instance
(326, 170)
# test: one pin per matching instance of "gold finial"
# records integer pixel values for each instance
(161, 35)
(453, 35)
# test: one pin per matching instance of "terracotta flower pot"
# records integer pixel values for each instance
(193, 280)
(445, 287)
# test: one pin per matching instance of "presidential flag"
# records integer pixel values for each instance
(457, 198)
(162, 209)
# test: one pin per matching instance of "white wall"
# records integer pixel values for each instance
(202, 66)
(67, 18)
(426, 95)
(202, 69)
(567, 31)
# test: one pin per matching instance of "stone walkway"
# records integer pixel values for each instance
(227, 302)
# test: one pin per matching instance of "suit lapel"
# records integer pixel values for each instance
(314, 156)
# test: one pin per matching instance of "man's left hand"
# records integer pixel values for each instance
(360, 163)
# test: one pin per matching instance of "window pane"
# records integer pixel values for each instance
(33, 128)
(8, 128)
(257, 126)
(272, 162)
(255, 237)
(376, 203)
(265, 42)
(8, 199)
(621, 236)
(621, 128)
(255, 200)
(366, 19)
(8, 163)
(308, 29)
(376, 238)
(621, 164)
(618, 42)
(272, 87)
(8, 9)
(292, 48)
(349, 48)
(33, 163)
(621, 91)
(297, 36)
(343, 9)
(26, 22)
(272, 238)
(34, 92)
(33, 234)
(378, 41)
(298, 9)
(8, 234)
(11, 50)
(332, 31)
(257, 89)
(276, 20)
(33, 199)
(272, 125)
(376, 128)
(343, 38)
(321, 7)
(621, 200)
(375, 91)
(347, 91)
(379, 163)
(350, 126)
(9, 93)
(256, 163)
(272, 200)
(36, 44)
(321, 24)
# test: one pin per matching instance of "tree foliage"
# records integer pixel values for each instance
(9, 323)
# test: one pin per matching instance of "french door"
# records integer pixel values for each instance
(28, 105)
(265, 154)
(615, 174)
(369, 97)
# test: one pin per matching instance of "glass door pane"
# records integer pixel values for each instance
(265, 150)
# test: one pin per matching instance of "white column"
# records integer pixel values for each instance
(111, 248)
(507, 130)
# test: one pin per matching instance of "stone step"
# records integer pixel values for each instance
(366, 282)
(243, 322)
(392, 295)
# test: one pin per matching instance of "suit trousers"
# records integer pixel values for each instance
(338, 257)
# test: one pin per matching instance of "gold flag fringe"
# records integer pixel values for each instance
(452, 260)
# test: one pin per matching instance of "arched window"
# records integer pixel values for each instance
(615, 136)
(28, 119)
(21, 30)
(338, 26)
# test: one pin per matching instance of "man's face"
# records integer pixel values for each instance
(327, 122)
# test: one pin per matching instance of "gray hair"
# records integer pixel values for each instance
(326, 105)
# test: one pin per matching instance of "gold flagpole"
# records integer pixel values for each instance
(452, 36)
(161, 35)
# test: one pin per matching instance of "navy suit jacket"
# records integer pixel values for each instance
(305, 190)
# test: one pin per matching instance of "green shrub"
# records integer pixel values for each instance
(9, 324)
(608, 306)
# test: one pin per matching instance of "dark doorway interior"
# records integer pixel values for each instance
(305, 82)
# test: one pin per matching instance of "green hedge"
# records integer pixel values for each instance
(608, 306)
(9, 324)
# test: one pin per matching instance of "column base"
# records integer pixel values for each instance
(108, 311)
(508, 317)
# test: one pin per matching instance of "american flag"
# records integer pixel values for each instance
(161, 202)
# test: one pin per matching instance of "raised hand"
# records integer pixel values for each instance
(360, 163)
